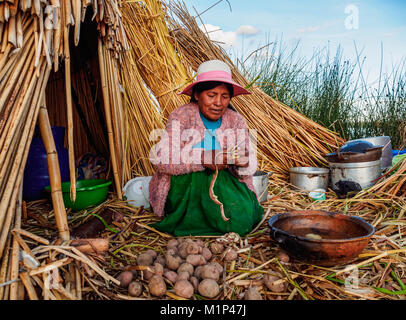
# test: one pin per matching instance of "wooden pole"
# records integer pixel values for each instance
(26, 279)
(107, 111)
(5, 266)
(69, 108)
(54, 173)
(15, 251)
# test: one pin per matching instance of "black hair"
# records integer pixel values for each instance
(208, 85)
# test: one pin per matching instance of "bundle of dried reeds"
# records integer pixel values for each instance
(285, 138)
(142, 117)
(156, 58)
(34, 35)
(113, 110)
(151, 73)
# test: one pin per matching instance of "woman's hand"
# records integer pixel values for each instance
(241, 161)
(213, 158)
(240, 158)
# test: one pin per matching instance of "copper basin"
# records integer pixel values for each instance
(342, 237)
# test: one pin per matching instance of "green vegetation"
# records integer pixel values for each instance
(333, 91)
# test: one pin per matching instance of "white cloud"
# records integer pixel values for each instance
(324, 26)
(226, 39)
(308, 29)
(247, 30)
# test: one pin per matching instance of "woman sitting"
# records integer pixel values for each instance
(205, 162)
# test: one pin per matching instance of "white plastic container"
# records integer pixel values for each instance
(136, 191)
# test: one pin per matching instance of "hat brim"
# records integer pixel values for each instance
(238, 90)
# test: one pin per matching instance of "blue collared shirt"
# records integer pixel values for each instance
(210, 141)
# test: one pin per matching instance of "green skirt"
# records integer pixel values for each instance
(189, 210)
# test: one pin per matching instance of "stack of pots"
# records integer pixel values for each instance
(355, 166)
(386, 150)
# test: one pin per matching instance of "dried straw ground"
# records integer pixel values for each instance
(377, 273)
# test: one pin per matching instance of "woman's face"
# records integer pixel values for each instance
(213, 103)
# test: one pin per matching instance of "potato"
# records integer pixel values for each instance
(252, 294)
(195, 282)
(206, 253)
(208, 288)
(192, 248)
(172, 251)
(313, 236)
(186, 267)
(198, 272)
(184, 289)
(216, 247)
(148, 274)
(218, 266)
(283, 256)
(210, 271)
(157, 286)
(182, 249)
(200, 243)
(161, 260)
(230, 255)
(145, 259)
(173, 262)
(172, 243)
(152, 253)
(269, 281)
(170, 275)
(183, 275)
(135, 289)
(125, 278)
(156, 269)
(196, 260)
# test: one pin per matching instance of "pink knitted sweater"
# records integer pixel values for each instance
(173, 154)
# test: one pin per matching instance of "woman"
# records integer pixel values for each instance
(205, 162)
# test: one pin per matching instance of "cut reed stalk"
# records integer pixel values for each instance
(15, 255)
(69, 106)
(107, 110)
(54, 174)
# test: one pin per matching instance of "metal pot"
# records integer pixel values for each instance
(384, 141)
(363, 173)
(350, 157)
(309, 178)
(260, 182)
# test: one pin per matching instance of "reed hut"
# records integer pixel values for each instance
(59, 66)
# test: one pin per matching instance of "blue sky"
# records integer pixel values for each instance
(316, 23)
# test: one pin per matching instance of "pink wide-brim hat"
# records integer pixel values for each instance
(214, 70)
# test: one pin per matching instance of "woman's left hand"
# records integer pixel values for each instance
(240, 158)
(242, 161)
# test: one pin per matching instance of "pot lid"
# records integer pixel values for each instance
(360, 146)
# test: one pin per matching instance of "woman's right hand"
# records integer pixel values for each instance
(212, 158)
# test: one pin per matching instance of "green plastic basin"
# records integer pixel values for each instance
(88, 193)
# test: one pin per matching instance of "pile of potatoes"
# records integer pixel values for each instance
(188, 265)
